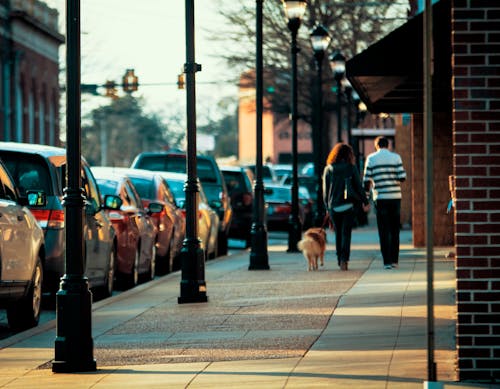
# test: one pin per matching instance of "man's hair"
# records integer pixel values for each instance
(381, 142)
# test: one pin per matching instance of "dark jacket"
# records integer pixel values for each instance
(334, 177)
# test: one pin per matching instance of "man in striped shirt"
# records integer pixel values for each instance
(384, 173)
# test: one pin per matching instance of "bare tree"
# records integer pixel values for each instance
(352, 24)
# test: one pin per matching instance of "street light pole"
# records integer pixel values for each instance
(259, 259)
(337, 64)
(193, 288)
(294, 11)
(74, 346)
(348, 92)
(319, 42)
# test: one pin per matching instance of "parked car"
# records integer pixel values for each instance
(37, 167)
(311, 184)
(209, 175)
(268, 174)
(21, 255)
(281, 170)
(279, 206)
(170, 222)
(208, 220)
(239, 182)
(136, 232)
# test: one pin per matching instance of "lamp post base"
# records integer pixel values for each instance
(74, 345)
(193, 286)
(294, 235)
(259, 259)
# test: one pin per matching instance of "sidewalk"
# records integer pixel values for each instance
(283, 328)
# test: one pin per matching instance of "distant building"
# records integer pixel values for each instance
(29, 72)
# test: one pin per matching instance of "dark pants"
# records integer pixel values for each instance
(343, 221)
(388, 223)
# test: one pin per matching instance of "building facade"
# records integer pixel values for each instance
(466, 144)
(29, 72)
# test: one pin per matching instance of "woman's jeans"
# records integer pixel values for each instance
(388, 223)
(343, 221)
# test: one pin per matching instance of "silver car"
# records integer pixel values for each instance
(21, 255)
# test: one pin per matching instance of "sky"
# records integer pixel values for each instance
(148, 36)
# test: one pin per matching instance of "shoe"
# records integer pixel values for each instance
(343, 266)
(387, 267)
(394, 265)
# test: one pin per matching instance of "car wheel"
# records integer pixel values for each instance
(25, 313)
(162, 263)
(134, 275)
(110, 278)
(222, 243)
(152, 267)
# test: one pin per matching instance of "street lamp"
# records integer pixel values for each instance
(294, 10)
(319, 42)
(337, 64)
(73, 344)
(259, 259)
(348, 92)
(193, 287)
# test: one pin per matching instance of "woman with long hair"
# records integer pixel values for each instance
(342, 188)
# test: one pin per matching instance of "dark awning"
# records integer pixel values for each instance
(388, 76)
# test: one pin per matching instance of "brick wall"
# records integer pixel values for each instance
(443, 167)
(476, 145)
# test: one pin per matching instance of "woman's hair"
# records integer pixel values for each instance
(341, 152)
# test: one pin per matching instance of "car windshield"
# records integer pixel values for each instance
(234, 181)
(107, 187)
(144, 187)
(177, 164)
(29, 173)
(177, 189)
(279, 194)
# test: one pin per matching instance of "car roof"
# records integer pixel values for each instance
(232, 168)
(173, 176)
(170, 152)
(44, 150)
(109, 173)
(127, 171)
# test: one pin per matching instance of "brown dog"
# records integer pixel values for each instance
(313, 246)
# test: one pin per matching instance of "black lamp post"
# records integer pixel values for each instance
(348, 92)
(294, 10)
(319, 42)
(74, 346)
(193, 287)
(337, 64)
(259, 259)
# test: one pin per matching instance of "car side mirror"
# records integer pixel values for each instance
(112, 202)
(36, 198)
(155, 208)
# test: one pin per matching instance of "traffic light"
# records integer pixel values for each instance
(130, 81)
(180, 81)
(111, 89)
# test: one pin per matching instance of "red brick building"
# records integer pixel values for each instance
(29, 72)
(466, 142)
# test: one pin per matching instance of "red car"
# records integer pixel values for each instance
(135, 229)
(170, 222)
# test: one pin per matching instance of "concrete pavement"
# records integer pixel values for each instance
(283, 328)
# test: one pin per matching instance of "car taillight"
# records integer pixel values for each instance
(49, 218)
(282, 209)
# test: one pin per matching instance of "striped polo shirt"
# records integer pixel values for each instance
(385, 171)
